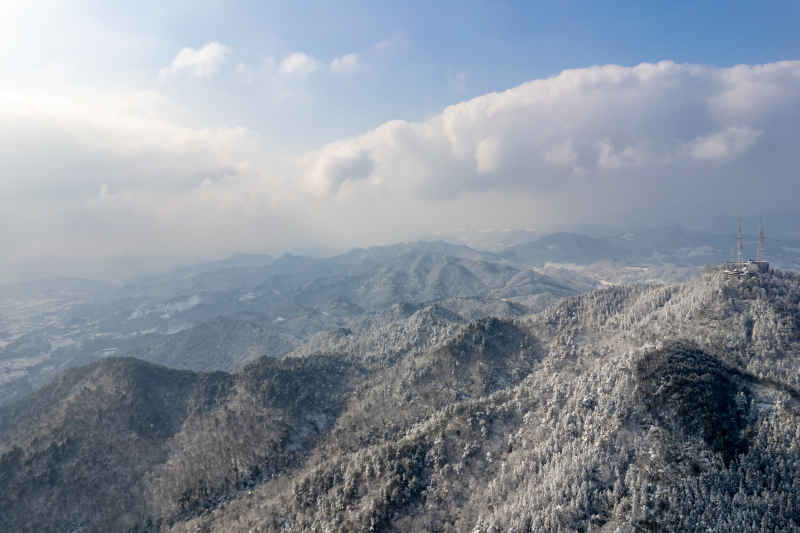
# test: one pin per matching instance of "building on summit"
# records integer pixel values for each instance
(742, 267)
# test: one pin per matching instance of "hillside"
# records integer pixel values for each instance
(608, 431)
(636, 408)
(83, 444)
(221, 315)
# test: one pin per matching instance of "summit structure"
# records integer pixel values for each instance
(742, 267)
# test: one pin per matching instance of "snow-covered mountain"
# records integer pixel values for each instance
(630, 408)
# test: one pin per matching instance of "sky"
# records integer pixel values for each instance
(139, 135)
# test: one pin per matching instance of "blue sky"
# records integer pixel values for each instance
(135, 128)
(438, 53)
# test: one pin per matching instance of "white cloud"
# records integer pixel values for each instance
(488, 154)
(100, 174)
(599, 122)
(203, 62)
(298, 64)
(724, 144)
(261, 71)
(105, 175)
(122, 137)
(345, 64)
(343, 164)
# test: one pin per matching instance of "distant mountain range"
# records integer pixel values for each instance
(220, 315)
(674, 246)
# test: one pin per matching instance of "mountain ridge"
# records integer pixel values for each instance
(215, 316)
(629, 407)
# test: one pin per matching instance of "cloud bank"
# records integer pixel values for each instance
(600, 124)
(122, 174)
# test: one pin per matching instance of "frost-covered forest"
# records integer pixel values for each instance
(632, 408)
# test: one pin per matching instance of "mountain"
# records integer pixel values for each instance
(665, 254)
(388, 335)
(648, 407)
(217, 316)
(236, 261)
(654, 247)
(84, 443)
(490, 240)
(107, 443)
(224, 343)
(568, 248)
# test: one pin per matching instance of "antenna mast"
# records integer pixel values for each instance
(740, 244)
(761, 249)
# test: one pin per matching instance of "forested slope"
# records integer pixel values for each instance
(651, 409)
(635, 408)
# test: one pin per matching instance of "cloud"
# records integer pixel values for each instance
(345, 64)
(203, 62)
(101, 174)
(605, 124)
(121, 138)
(298, 64)
(341, 165)
(724, 144)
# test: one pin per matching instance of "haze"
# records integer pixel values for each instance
(133, 138)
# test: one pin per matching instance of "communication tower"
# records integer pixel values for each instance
(740, 245)
(741, 268)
